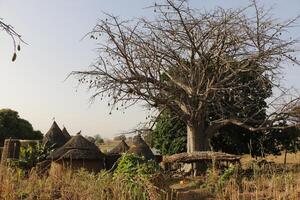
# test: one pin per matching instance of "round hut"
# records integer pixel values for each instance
(77, 153)
(141, 148)
(66, 133)
(11, 150)
(122, 147)
(114, 154)
(54, 137)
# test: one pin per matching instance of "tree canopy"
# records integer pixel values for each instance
(12, 126)
(190, 62)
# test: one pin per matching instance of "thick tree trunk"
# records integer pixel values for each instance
(196, 137)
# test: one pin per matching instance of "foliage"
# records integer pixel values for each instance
(31, 155)
(12, 126)
(169, 134)
(132, 165)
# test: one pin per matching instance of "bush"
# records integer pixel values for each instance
(131, 165)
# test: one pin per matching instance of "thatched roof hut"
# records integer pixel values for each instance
(141, 148)
(122, 147)
(54, 137)
(66, 133)
(77, 153)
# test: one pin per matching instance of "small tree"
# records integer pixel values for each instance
(189, 62)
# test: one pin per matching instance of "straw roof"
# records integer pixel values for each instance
(141, 148)
(54, 136)
(122, 147)
(200, 156)
(78, 148)
(66, 133)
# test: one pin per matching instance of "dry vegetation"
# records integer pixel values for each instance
(255, 181)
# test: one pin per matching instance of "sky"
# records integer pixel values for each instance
(36, 85)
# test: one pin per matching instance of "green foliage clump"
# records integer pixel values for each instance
(169, 135)
(131, 165)
(31, 155)
(12, 126)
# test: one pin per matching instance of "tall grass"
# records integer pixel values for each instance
(256, 182)
(74, 186)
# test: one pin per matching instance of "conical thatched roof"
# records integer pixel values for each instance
(122, 147)
(77, 148)
(141, 148)
(54, 137)
(66, 133)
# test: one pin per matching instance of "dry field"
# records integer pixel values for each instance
(254, 181)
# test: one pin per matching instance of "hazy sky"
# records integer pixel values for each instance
(34, 85)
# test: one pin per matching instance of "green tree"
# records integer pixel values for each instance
(169, 135)
(12, 126)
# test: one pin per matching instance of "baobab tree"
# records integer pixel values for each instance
(189, 62)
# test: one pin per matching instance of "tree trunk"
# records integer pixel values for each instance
(196, 138)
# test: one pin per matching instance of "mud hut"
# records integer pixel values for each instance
(66, 133)
(77, 153)
(11, 150)
(54, 137)
(141, 148)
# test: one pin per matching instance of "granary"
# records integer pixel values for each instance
(77, 153)
(141, 148)
(54, 137)
(114, 154)
(66, 133)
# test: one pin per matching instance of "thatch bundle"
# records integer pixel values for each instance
(141, 148)
(11, 150)
(66, 133)
(200, 156)
(122, 147)
(54, 137)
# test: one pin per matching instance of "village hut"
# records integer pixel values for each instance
(77, 153)
(114, 154)
(141, 148)
(66, 133)
(54, 137)
(11, 150)
(122, 147)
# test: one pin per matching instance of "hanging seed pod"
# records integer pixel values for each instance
(19, 48)
(14, 57)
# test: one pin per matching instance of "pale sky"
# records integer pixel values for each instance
(34, 85)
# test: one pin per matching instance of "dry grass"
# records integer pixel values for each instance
(80, 185)
(254, 181)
